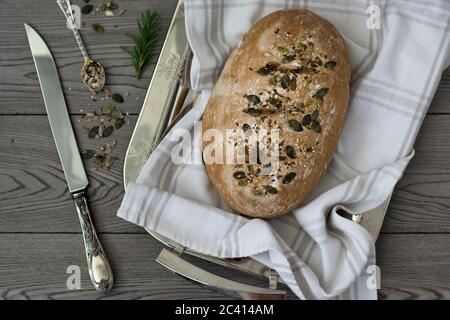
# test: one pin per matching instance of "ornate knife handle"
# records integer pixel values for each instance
(99, 270)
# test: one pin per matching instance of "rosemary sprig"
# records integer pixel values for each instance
(148, 28)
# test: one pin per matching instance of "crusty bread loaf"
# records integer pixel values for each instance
(289, 72)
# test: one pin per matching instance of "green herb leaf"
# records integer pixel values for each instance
(320, 93)
(117, 97)
(289, 177)
(87, 9)
(295, 125)
(98, 28)
(268, 68)
(315, 114)
(148, 33)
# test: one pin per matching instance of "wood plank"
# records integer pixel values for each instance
(33, 266)
(421, 201)
(19, 87)
(414, 266)
(33, 191)
(440, 103)
(34, 197)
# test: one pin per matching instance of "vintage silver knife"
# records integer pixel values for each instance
(99, 269)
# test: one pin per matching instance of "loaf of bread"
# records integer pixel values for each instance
(289, 74)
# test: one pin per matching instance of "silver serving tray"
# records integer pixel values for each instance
(163, 105)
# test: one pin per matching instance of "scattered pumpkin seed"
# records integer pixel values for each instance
(87, 154)
(293, 84)
(289, 177)
(107, 131)
(319, 94)
(98, 28)
(100, 157)
(239, 175)
(117, 97)
(307, 119)
(268, 68)
(275, 102)
(253, 112)
(119, 123)
(253, 98)
(246, 127)
(93, 132)
(315, 126)
(330, 65)
(112, 5)
(288, 58)
(295, 125)
(87, 9)
(290, 151)
(270, 189)
(285, 81)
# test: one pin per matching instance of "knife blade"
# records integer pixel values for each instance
(69, 155)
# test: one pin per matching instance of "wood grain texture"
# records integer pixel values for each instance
(39, 230)
(412, 267)
(33, 191)
(19, 86)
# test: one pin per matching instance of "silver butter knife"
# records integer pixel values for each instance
(99, 269)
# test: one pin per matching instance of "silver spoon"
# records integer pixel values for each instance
(92, 72)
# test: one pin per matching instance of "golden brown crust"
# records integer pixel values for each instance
(282, 48)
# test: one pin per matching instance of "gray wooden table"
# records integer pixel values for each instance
(39, 230)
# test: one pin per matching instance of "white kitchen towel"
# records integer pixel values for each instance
(397, 63)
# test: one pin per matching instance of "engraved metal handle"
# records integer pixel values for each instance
(175, 263)
(66, 8)
(99, 269)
